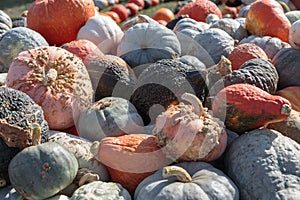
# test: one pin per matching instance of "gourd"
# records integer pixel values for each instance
(162, 83)
(294, 38)
(189, 133)
(121, 155)
(147, 43)
(264, 164)
(245, 52)
(140, 3)
(110, 116)
(199, 9)
(140, 18)
(51, 76)
(80, 147)
(270, 45)
(111, 76)
(49, 167)
(293, 15)
(98, 190)
(17, 40)
(19, 22)
(187, 180)
(121, 10)
(244, 11)
(101, 4)
(292, 94)
(258, 24)
(5, 22)
(286, 62)
(112, 14)
(163, 14)
(67, 17)
(245, 107)
(134, 9)
(102, 31)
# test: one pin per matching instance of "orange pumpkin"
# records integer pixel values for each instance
(154, 2)
(164, 14)
(292, 94)
(267, 18)
(199, 10)
(245, 52)
(134, 9)
(121, 10)
(113, 15)
(140, 3)
(59, 21)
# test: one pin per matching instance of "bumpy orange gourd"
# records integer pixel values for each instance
(59, 21)
(246, 107)
(267, 18)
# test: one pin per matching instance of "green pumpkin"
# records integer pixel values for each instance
(41, 171)
(99, 190)
(190, 180)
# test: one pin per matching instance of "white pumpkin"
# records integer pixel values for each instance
(294, 35)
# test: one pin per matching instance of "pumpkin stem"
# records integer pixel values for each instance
(2, 182)
(95, 149)
(36, 133)
(85, 176)
(181, 174)
(44, 76)
(286, 109)
(224, 66)
(196, 103)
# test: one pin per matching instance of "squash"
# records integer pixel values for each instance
(286, 62)
(171, 24)
(102, 31)
(99, 190)
(163, 14)
(17, 40)
(3, 79)
(244, 11)
(121, 11)
(101, 4)
(258, 24)
(121, 155)
(199, 9)
(134, 9)
(48, 167)
(110, 116)
(67, 17)
(19, 22)
(112, 14)
(19, 115)
(80, 147)
(140, 3)
(189, 133)
(5, 22)
(257, 71)
(245, 52)
(147, 43)
(292, 94)
(270, 45)
(264, 164)
(51, 76)
(245, 107)
(162, 83)
(111, 76)
(187, 180)
(294, 38)
(9, 193)
(293, 15)
(140, 18)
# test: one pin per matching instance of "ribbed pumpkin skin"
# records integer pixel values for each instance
(59, 21)
(5, 22)
(293, 15)
(41, 171)
(247, 107)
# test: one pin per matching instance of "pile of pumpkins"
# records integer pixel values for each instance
(201, 107)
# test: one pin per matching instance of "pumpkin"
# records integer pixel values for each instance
(246, 107)
(286, 62)
(258, 24)
(18, 117)
(134, 9)
(264, 164)
(140, 18)
(84, 49)
(270, 45)
(9, 193)
(111, 76)
(19, 22)
(292, 94)
(187, 180)
(140, 3)
(199, 9)
(80, 147)
(211, 18)
(163, 14)
(121, 155)
(99, 190)
(51, 76)
(110, 116)
(171, 24)
(102, 31)
(232, 27)
(189, 132)
(189, 23)
(155, 2)
(232, 11)
(162, 83)
(101, 4)
(113, 15)
(147, 4)
(67, 17)
(244, 11)
(147, 43)
(121, 11)
(245, 52)
(294, 38)
(5, 22)
(293, 15)
(17, 40)
(3, 79)
(49, 167)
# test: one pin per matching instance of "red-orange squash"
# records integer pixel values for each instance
(291, 93)
(59, 21)
(112, 14)
(200, 9)
(267, 18)
(164, 14)
(129, 158)
(134, 9)
(245, 107)
(140, 3)
(121, 10)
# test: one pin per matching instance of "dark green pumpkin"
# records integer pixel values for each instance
(163, 83)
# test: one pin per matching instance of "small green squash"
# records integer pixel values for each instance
(41, 171)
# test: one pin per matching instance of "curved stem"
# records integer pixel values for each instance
(196, 103)
(94, 149)
(36, 133)
(181, 174)
(2, 182)
(286, 109)
(224, 66)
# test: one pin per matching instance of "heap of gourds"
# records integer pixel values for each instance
(194, 106)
